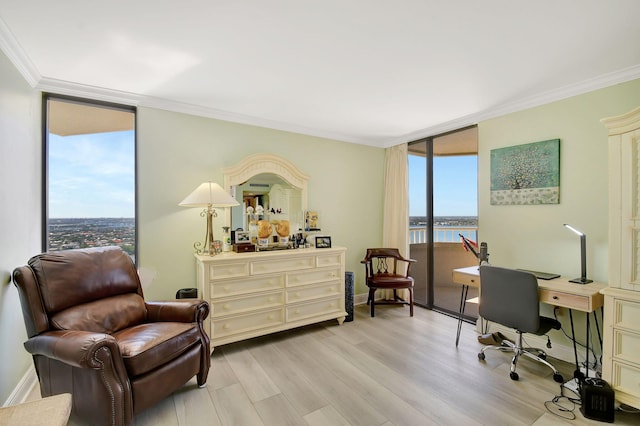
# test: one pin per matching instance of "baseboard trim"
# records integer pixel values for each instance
(23, 389)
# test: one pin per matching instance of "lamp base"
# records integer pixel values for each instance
(581, 281)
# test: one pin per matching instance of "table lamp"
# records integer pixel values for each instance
(208, 195)
(583, 256)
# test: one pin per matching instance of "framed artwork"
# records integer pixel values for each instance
(526, 174)
(242, 237)
(323, 242)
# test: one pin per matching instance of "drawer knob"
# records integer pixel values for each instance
(226, 306)
(226, 288)
(297, 311)
(555, 297)
(271, 299)
(270, 317)
(226, 326)
(297, 294)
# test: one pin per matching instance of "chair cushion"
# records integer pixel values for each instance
(73, 277)
(106, 315)
(390, 281)
(147, 346)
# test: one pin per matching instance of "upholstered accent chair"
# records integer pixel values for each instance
(92, 334)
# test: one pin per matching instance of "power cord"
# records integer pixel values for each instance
(583, 346)
(562, 405)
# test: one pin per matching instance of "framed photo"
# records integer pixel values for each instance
(242, 237)
(323, 242)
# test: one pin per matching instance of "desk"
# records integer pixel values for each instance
(557, 292)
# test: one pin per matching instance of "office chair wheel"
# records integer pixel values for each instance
(514, 375)
(481, 356)
(557, 377)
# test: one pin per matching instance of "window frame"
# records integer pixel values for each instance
(46, 97)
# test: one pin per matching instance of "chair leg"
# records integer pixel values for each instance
(411, 301)
(372, 295)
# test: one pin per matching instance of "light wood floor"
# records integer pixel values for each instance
(388, 370)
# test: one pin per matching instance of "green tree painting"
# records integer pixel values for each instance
(526, 174)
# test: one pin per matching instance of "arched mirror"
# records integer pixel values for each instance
(268, 181)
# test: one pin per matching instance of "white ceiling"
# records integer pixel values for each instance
(376, 72)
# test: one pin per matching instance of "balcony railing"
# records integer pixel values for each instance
(442, 234)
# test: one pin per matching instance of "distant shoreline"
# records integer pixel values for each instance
(452, 221)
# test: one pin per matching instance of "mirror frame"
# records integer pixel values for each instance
(256, 164)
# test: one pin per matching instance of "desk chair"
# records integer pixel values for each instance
(510, 298)
(385, 269)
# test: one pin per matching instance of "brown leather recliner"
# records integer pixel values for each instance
(92, 334)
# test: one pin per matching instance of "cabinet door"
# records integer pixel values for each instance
(630, 211)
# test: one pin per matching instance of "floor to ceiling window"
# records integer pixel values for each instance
(89, 175)
(443, 204)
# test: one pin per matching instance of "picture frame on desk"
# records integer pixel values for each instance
(323, 242)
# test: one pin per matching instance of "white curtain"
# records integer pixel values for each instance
(396, 205)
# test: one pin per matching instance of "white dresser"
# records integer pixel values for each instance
(621, 352)
(253, 294)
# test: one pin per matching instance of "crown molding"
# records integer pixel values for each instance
(16, 54)
(61, 87)
(97, 93)
(575, 89)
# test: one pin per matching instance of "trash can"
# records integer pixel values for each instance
(187, 293)
(348, 295)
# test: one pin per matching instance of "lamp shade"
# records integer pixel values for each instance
(209, 193)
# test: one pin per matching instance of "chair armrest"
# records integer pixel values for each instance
(183, 310)
(76, 348)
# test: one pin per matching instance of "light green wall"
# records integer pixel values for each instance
(177, 152)
(533, 237)
(20, 212)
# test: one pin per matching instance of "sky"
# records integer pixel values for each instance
(455, 186)
(92, 175)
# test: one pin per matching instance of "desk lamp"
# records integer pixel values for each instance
(583, 256)
(208, 195)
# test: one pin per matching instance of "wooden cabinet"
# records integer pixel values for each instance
(621, 352)
(252, 294)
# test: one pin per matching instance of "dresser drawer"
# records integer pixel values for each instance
(626, 379)
(333, 259)
(626, 314)
(246, 304)
(223, 327)
(567, 300)
(312, 277)
(626, 346)
(228, 270)
(281, 265)
(301, 294)
(246, 285)
(308, 310)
